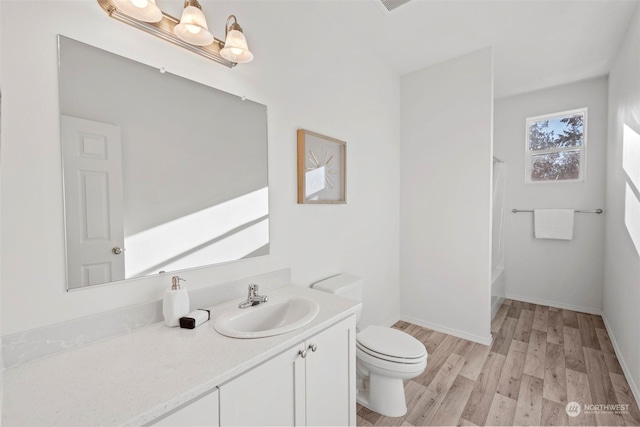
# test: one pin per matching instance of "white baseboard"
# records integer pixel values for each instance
(625, 369)
(470, 337)
(555, 304)
(392, 321)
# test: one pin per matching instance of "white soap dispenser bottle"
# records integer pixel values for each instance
(175, 303)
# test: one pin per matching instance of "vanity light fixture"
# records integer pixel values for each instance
(142, 10)
(193, 25)
(189, 32)
(235, 45)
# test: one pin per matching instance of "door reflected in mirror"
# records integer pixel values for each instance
(160, 173)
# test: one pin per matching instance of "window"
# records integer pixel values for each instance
(555, 147)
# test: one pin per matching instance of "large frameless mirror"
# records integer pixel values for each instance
(160, 173)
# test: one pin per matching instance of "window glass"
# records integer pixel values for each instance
(555, 148)
(555, 166)
(557, 132)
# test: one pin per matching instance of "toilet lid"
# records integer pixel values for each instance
(390, 342)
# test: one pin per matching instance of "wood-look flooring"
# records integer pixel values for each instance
(540, 359)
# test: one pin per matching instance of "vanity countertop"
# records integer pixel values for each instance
(134, 378)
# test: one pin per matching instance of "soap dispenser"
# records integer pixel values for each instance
(175, 303)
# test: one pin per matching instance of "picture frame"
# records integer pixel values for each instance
(322, 169)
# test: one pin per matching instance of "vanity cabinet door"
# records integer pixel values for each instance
(201, 412)
(330, 376)
(271, 394)
(311, 384)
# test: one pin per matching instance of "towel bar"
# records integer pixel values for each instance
(595, 211)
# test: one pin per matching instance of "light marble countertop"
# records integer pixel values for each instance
(134, 378)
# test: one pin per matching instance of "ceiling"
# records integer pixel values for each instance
(537, 43)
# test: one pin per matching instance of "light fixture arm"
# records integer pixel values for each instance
(164, 29)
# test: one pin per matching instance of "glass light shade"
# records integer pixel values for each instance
(235, 48)
(193, 27)
(142, 10)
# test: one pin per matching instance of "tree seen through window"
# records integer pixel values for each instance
(555, 146)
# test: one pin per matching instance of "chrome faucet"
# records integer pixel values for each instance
(253, 298)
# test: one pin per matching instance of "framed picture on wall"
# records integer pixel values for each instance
(322, 169)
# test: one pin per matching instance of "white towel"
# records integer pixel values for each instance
(553, 223)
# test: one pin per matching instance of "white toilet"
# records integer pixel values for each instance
(384, 356)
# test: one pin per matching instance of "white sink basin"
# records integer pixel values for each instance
(279, 315)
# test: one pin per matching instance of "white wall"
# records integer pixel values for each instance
(305, 81)
(1, 138)
(445, 201)
(554, 272)
(621, 298)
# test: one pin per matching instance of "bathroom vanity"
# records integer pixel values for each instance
(171, 376)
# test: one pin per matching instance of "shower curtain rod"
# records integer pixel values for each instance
(595, 211)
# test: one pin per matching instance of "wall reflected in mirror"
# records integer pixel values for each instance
(160, 173)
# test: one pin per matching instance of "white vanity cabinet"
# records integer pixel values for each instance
(313, 383)
(264, 381)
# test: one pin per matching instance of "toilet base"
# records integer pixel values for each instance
(384, 395)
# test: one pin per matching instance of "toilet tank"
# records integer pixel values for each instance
(345, 285)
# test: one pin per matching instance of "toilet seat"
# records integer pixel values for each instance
(390, 369)
(390, 345)
(391, 359)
